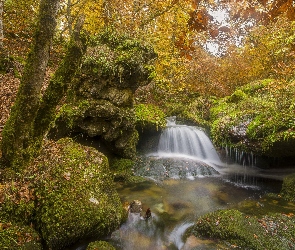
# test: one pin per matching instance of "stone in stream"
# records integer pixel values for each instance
(135, 206)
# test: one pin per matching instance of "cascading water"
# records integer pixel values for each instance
(186, 141)
(184, 152)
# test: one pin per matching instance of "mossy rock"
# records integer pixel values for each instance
(257, 118)
(288, 188)
(18, 237)
(100, 245)
(126, 143)
(114, 125)
(123, 171)
(238, 230)
(76, 197)
(100, 104)
(149, 117)
(118, 60)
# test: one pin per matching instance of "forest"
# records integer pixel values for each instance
(110, 72)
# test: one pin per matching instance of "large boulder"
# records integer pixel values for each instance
(67, 194)
(100, 103)
(75, 195)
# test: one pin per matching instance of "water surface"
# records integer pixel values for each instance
(176, 204)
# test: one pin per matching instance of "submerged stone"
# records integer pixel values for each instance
(135, 206)
(178, 168)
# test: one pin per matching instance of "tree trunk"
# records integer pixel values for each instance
(59, 84)
(17, 130)
(69, 17)
(1, 25)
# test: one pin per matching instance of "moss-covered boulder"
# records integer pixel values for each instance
(258, 118)
(288, 188)
(100, 103)
(100, 245)
(238, 230)
(67, 194)
(75, 194)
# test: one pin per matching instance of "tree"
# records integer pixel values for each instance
(1, 25)
(31, 115)
(18, 129)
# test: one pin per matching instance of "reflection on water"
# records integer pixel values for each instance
(175, 205)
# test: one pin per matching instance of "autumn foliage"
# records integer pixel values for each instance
(198, 51)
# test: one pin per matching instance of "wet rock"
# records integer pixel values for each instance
(244, 231)
(148, 214)
(135, 206)
(177, 168)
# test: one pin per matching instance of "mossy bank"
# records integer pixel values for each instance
(257, 118)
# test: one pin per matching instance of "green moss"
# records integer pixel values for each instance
(237, 96)
(239, 230)
(123, 171)
(198, 111)
(76, 195)
(288, 188)
(70, 113)
(17, 201)
(18, 237)
(258, 117)
(149, 116)
(257, 86)
(100, 245)
(118, 57)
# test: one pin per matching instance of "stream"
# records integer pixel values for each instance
(185, 179)
(175, 205)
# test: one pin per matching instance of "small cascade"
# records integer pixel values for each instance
(186, 141)
(184, 152)
(240, 157)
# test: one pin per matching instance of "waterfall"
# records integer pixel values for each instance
(186, 141)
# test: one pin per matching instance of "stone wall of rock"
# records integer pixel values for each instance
(100, 103)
